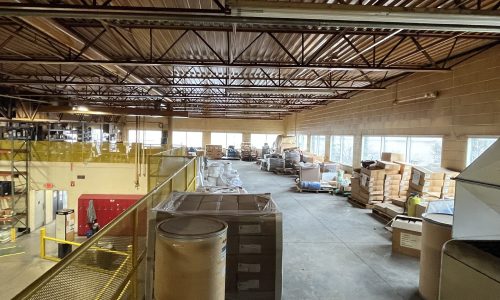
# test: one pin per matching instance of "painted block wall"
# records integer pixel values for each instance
(468, 105)
(100, 178)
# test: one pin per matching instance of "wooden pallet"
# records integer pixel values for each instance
(230, 158)
(359, 204)
(285, 171)
(322, 190)
(382, 215)
(337, 192)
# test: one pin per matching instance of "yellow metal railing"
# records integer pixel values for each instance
(119, 271)
(44, 238)
(83, 151)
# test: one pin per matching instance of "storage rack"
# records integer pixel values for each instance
(79, 133)
(19, 154)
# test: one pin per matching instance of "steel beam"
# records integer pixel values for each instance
(303, 88)
(260, 29)
(274, 13)
(93, 95)
(274, 65)
(102, 110)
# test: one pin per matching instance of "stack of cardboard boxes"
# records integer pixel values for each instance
(214, 151)
(404, 186)
(448, 191)
(254, 238)
(426, 182)
(391, 187)
(372, 181)
(246, 151)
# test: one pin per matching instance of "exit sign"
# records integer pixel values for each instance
(48, 185)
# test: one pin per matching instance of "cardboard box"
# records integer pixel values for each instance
(407, 235)
(387, 165)
(389, 156)
(378, 174)
(399, 202)
(419, 175)
(420, 209)
(393, 177)
(393, 210)
(366, 197)
(355, 186)
(257, 245)
(428, 188)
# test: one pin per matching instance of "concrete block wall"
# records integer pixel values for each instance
(468, 105)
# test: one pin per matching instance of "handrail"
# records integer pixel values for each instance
(59, 267)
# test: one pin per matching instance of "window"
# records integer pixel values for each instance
(341, 149)
(97, 135)
(372, 147)
(187, 139)
(258, 139)
(417, 150)
(318, 145)
(476, 146)
(226, 139)
(218, 138)
(302, 141)
(148, 137)
(425, 151)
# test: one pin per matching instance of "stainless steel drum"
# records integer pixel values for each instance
(190, 259)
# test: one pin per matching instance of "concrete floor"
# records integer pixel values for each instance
(331, 250)
(18, 271)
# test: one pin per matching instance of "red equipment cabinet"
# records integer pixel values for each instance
(107, 207)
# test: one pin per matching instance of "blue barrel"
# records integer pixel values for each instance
(310, 185)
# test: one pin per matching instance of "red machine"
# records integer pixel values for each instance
(107, 207)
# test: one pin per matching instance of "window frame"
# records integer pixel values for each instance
(342, 139)
(408, 145)
(468, 160)
(226, 141)
(267, 138)
(141, 137)
(186, 139)
(315, 139)
(302, 142)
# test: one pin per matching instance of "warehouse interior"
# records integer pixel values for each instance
(256, 149)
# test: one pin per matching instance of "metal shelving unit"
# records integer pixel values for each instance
(18, 200)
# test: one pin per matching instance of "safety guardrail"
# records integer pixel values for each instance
(86, 152)
(120, 272)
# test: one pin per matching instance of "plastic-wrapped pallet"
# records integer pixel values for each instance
(292, 157)
(254, 238)
(275, 163)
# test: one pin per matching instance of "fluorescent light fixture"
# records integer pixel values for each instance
(81, 108)
(426, 96)
(255, 109)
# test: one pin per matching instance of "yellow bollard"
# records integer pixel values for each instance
(13, 234)
(42, 242)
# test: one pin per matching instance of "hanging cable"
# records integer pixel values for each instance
(136, 152)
